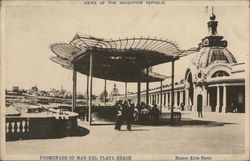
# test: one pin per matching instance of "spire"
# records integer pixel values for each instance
(213, 39)
(212, 25)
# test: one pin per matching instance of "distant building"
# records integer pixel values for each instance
(15, 89)
(114, 92)
(34, 89)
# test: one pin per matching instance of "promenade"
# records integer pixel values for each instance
(216, 133)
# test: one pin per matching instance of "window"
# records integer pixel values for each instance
(220, 73)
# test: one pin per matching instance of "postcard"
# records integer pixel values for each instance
(125, 80)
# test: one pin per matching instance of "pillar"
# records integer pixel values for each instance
(181, 98)
(170, 99)
(125, 94)
(208, 99)
(194, 108)
(217, 107)
(105, 89)
(147, 88)
(90, 86)
(161, 97)
(164, 98)
(87, 96)
(224, 106)
(74, 89)
(204, 96)
(175, 99)
(172, 92)
(138, 92)
(187, 99)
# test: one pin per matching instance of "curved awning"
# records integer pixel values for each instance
(119, 60)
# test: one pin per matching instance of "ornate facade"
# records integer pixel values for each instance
(213, 79)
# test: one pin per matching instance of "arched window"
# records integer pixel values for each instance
(220, 73)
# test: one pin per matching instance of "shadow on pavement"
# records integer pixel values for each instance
(165, 121)
(79, 131)
(102, 123)
(184, 122)
(134, 129)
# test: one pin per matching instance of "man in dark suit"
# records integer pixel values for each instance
(128, 112)
(119, 120)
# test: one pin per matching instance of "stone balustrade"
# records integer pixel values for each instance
(22, 127)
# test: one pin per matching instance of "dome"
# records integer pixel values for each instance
(115, 91)
(211, 55)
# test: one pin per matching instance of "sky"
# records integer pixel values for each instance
(28, 30)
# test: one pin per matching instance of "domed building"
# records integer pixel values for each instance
(114, 92)
(213, 80)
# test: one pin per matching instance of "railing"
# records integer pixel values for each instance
(19, 128)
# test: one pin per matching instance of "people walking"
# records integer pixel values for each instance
(119, 120)
(128, 112)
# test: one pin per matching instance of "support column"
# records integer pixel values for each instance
(170, 100)
(164, 98)
(194, 107)
(147, 88)
(105, 89)
(161, 98)
(224, 106)
(175, 99)
(208, 99)
(125, 95)
(87, 96)
(138, 92)
(172, 93)
(74, 89)
(90, 86)
(181, 98)
(187, 99)
(217, 108)
(204, 96)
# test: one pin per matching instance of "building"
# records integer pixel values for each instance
(15, 89)
(213, 79)
(114, 92)
(34, 88)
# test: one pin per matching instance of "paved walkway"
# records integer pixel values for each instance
(213, 134)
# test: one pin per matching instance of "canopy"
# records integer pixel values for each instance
(119, 60)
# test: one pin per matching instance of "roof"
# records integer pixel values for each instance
(12, 111)
(119, 60)
(209, 55)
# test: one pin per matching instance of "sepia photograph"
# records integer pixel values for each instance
(124, 80)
